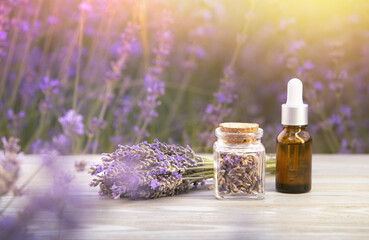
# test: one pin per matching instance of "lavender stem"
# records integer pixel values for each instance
(80, 41)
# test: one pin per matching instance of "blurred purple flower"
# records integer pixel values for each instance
(61, 143)
(154, 88)
(9, 165)
(16, 121)
(329, 75)
(52, 20)
(318, 86)
(297, 45)
(45, 105)
(284, 23)
(141, 133)
(3, 35)
(36, 146)
(216, 112)
(54, 203)
(115, 140)
(85, 6)
(12, 116)
(95, 125)
(49, 86)
(344, 147)
(197, 51)
(124, 50)
(121, 113)
(72, 123)
(308, 65)
(5, 10)
(335, 119)
(346, 111)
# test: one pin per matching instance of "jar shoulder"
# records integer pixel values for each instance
(255, 147)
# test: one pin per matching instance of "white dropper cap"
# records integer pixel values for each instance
(294, 111)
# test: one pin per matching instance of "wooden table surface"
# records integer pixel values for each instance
(336, 208)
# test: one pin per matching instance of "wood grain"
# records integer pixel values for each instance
(336, 208)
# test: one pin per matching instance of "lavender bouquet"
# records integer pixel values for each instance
(152, 170)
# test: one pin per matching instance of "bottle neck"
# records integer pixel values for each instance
(295, 128)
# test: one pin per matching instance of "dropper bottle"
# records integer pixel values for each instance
(294, 144)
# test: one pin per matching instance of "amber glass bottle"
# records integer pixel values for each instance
(293, 169)
(294, 144)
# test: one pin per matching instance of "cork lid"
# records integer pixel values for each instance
(239, 133)
(239, 127)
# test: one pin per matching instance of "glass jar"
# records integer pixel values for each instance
(239, 161)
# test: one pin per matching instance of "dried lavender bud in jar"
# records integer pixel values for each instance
(239, 174)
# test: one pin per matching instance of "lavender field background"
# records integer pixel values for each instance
(84, 76)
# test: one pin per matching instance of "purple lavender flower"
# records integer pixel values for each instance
(215, 112)
(85, 6)
(72, 123)
(308, 65)
(52, 20)
(36, 146)
(16, 121)
(95, 125)
(148, 171)
(48, 155)
(9, 165)
(54, 204)
(297, 45)
(49, 87)
(344, 147)
(61, 143)
(319, 86)
(5, 10)
(154, 184)
(128, 39)
(115, 140)
(153, 87)
(121, 113)
(124, 50)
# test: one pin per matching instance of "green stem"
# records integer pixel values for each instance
(38, 132)
(201, 164)
(200, 173)
(49, 34)
(209, 166)
(174, 106)
(236, 52)
(85, 150)
(80, 41)
(143, 33)
(197, 178)
(207, 160)
(63, 73)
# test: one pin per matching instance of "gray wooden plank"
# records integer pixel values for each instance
(336, 208)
